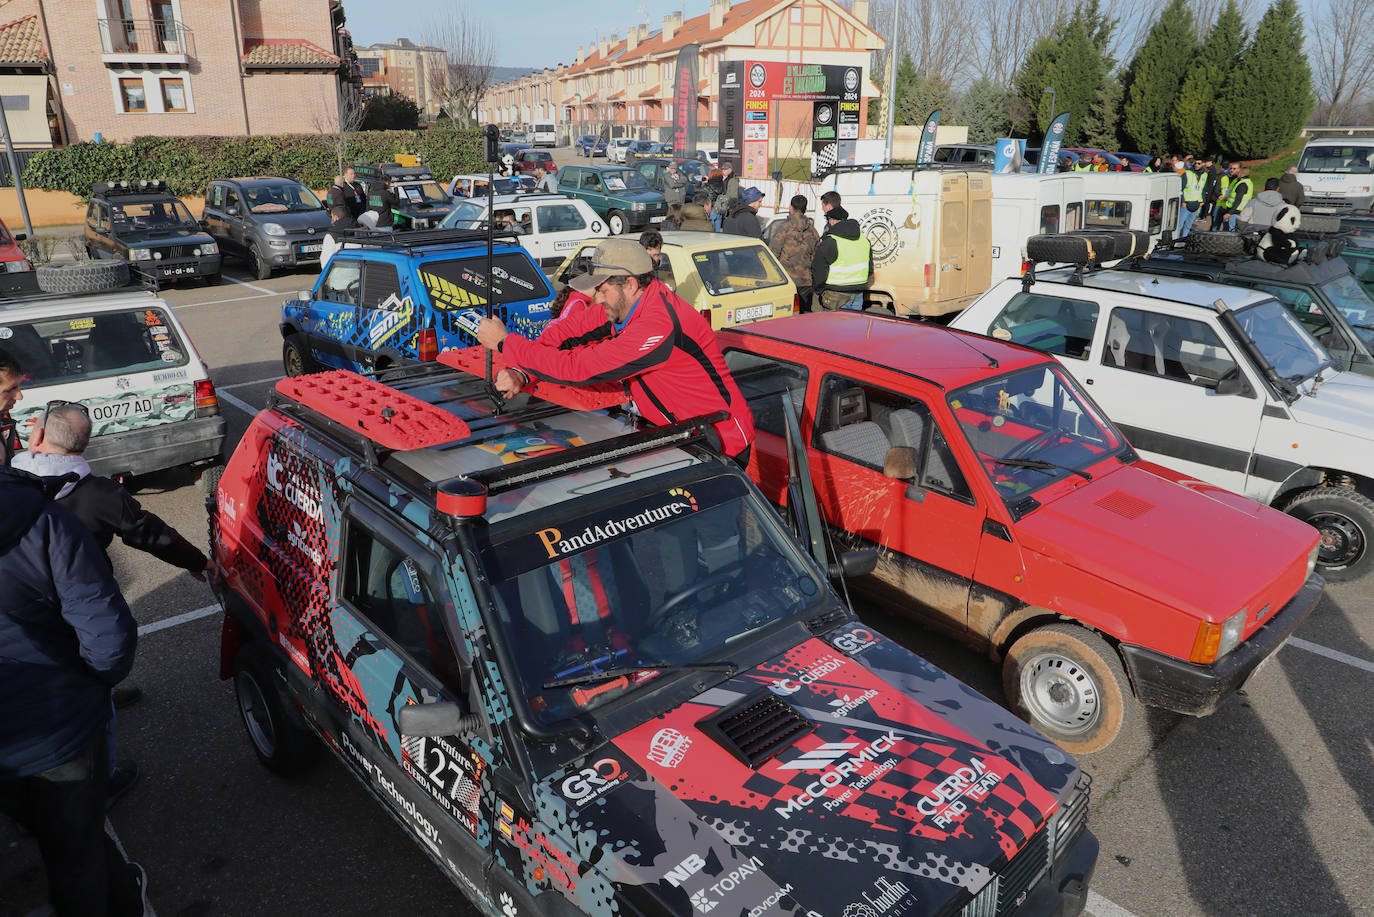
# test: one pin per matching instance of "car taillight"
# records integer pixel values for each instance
(427, 345)
(706, 314)
(796, 303)
(927, 274)
(207, 402)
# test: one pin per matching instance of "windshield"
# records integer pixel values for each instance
(467, 215)
(427, 192)
(1352, 159)
(1283, 341)
(624, 179)
(734, 270)
(1351, 300)
(1031, 428)
(682, 575)
(287, 198)
(149, 216)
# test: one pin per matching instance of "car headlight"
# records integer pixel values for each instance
(639, 205)
(274, 229)
(15, 267)
(1312, 558)
(157, 256)
(209, 248)
(141, 254)
(1214, 641)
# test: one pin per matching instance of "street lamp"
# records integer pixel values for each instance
(1050, 91)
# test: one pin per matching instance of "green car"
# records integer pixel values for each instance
(618, 193)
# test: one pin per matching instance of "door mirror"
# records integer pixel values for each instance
(1233, 384)
(232, 209)
(20, 236)
(854, 563)
(305, 295)
(204, 225)
(444, 718)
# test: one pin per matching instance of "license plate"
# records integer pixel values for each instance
(311, 247)
(121, 410)
(753, 313)
(178, 271)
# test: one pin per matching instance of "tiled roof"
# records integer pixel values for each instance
(697, 29)
(618, 94)
(20, 42)
(286, 52)
(652, 91)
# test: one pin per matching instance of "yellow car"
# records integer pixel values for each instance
(731, 280)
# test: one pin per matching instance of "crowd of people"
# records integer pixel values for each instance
(1222, 196)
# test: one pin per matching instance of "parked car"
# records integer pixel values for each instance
(545, 134)
(616, 147)
(965, 152)
(618, 194)
(1324, 296)
(578, 682)
(526, 160)
(126, 357)
(422, 203)
(550, 225)
(270, 222)
(660, 148)
(1010, 512)
(1219, 382)
(140, 222)
(653, 171)
(476, 185)
(729, 279)
(383, 301)
(590, 145)
(640, 148)
(12, 257)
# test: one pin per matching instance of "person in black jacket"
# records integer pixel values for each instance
(11, 378)
(68, 638)
(743, 218)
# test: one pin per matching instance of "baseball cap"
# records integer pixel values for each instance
(614, 258)
(749, 195)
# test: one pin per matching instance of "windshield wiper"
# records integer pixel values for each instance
(587, 678)
(1042, 465)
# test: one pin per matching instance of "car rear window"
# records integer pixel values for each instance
(88, 346)
(453, 283)
(734, 270)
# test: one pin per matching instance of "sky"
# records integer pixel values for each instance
(532, 35)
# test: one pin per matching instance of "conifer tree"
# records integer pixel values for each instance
(1073, 59)
(1264, 104)
(984, 110)
(1191, 117)
(1155, 76)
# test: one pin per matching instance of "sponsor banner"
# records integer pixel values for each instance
(1009, 155)
(1054, 139)
(685, 102)
(730, 147)
(926, 151)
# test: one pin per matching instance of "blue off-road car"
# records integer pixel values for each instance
(384, 300)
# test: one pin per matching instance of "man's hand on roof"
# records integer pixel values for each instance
(509, 382)
(491, 332)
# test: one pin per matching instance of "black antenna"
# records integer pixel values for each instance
(492, 135)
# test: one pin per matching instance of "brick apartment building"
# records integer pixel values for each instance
(127, 68)
(624, 86)
(403, 68)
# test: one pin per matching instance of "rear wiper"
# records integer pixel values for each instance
(1042, 465)
(588, 678)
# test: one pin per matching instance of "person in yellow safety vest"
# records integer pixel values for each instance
(842, 267)
(1084, 164)
(1192, 202)
(1229, 176)
(1240, 192)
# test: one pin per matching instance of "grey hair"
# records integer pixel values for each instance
(68, 428)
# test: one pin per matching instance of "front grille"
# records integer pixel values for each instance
(1022, 873)
(1068, 822)
(177, 251)
(756, 728)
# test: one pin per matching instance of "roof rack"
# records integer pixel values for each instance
(415, 239)
(113, 188)
(473, 360)
(530, 471)
(379, 413)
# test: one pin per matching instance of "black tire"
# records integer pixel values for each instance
(295, 357)
(1345, 520)
(213, 280)
(1067, 682)
(1215, 243)
(278, 733)
(209, 479)
(1319, 222)
(616, 222)
(83, 276)
(259, 268)
(1073, 248)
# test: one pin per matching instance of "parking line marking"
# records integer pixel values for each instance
(1099, 906)
(225, 388)
(217, 302)
(1329, 653)
(252, 286)
(237, 402)
(184, 618)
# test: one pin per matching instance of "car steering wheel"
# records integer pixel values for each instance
(1029, 445)
(666, 611)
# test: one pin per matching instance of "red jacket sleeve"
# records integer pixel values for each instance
(645, 342)
(581, 318)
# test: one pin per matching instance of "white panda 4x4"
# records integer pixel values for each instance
(1218, 382)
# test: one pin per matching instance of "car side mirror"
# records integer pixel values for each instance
(852, 563)
(444, 718)
(1233, 384)
(305, 295)
(20, 236)
(204, 224)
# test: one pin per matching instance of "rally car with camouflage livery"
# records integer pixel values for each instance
(589, 670)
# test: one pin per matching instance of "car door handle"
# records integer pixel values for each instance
(1088, 381)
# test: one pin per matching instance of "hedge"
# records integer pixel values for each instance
(189, 163)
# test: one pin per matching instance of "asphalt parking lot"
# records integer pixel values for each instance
(1266, 807)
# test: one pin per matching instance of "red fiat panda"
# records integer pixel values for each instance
(1009, 511)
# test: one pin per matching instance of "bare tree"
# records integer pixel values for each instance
(1008, 32)
(470, 52)
(938, 34)
(339, 119)
(1343, 59)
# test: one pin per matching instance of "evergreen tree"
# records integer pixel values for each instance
(917, 94)
(1191, 117)
(1100, 125)
(1073, 59)
(985, 111)
(1264, 104)
(1153, 80)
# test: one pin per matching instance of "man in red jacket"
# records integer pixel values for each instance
(663, 351)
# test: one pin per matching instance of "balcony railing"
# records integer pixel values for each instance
(146, 36)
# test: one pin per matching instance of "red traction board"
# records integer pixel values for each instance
(391, 419)
(575, 398)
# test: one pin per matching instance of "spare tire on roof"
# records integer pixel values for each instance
(1078, 247)
(1215, 243)
(83, 276)
(1319, 222)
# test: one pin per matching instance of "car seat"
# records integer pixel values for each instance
(27, 346)
(116, 343)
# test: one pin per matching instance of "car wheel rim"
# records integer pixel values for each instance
(294, 363)
(1059, 691)
(1342, 542)
(256, 715)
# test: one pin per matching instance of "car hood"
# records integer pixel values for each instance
(902, 785)
(164, 238)
(1344, 404)
(300, 222)
(1159, 538)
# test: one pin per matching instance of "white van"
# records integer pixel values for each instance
(1337, 173)
(1028, 204)
(545, 133)
(1144, 201)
